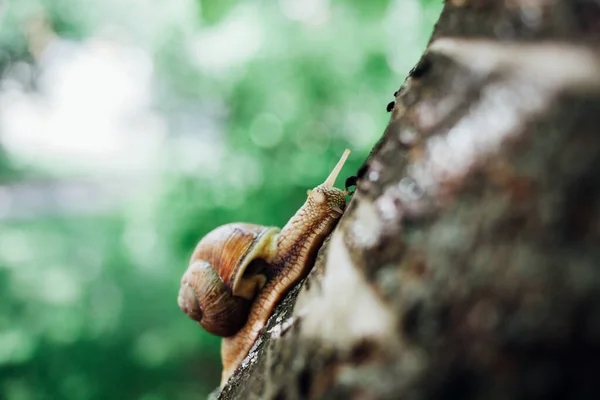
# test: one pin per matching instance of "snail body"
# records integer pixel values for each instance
(239, 272)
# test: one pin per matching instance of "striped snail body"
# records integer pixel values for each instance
(239, 272)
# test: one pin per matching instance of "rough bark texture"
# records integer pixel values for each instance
(466, 266)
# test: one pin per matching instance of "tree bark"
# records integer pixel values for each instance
(466, 265)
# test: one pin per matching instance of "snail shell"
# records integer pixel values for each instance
(227, 268)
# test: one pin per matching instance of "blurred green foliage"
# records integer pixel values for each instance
(88, 299)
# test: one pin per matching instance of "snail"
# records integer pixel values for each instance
(239, 272)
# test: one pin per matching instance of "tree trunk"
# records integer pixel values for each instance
(466, 265)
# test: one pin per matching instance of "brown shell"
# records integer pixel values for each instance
(204, 298)
(231, 247)
(212, 289)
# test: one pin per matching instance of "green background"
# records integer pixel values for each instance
(246, 106)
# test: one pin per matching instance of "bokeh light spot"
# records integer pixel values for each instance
(150, 349)
(16, 346)
(58, 286)
(266, 130)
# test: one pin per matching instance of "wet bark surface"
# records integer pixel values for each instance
(466, 265)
